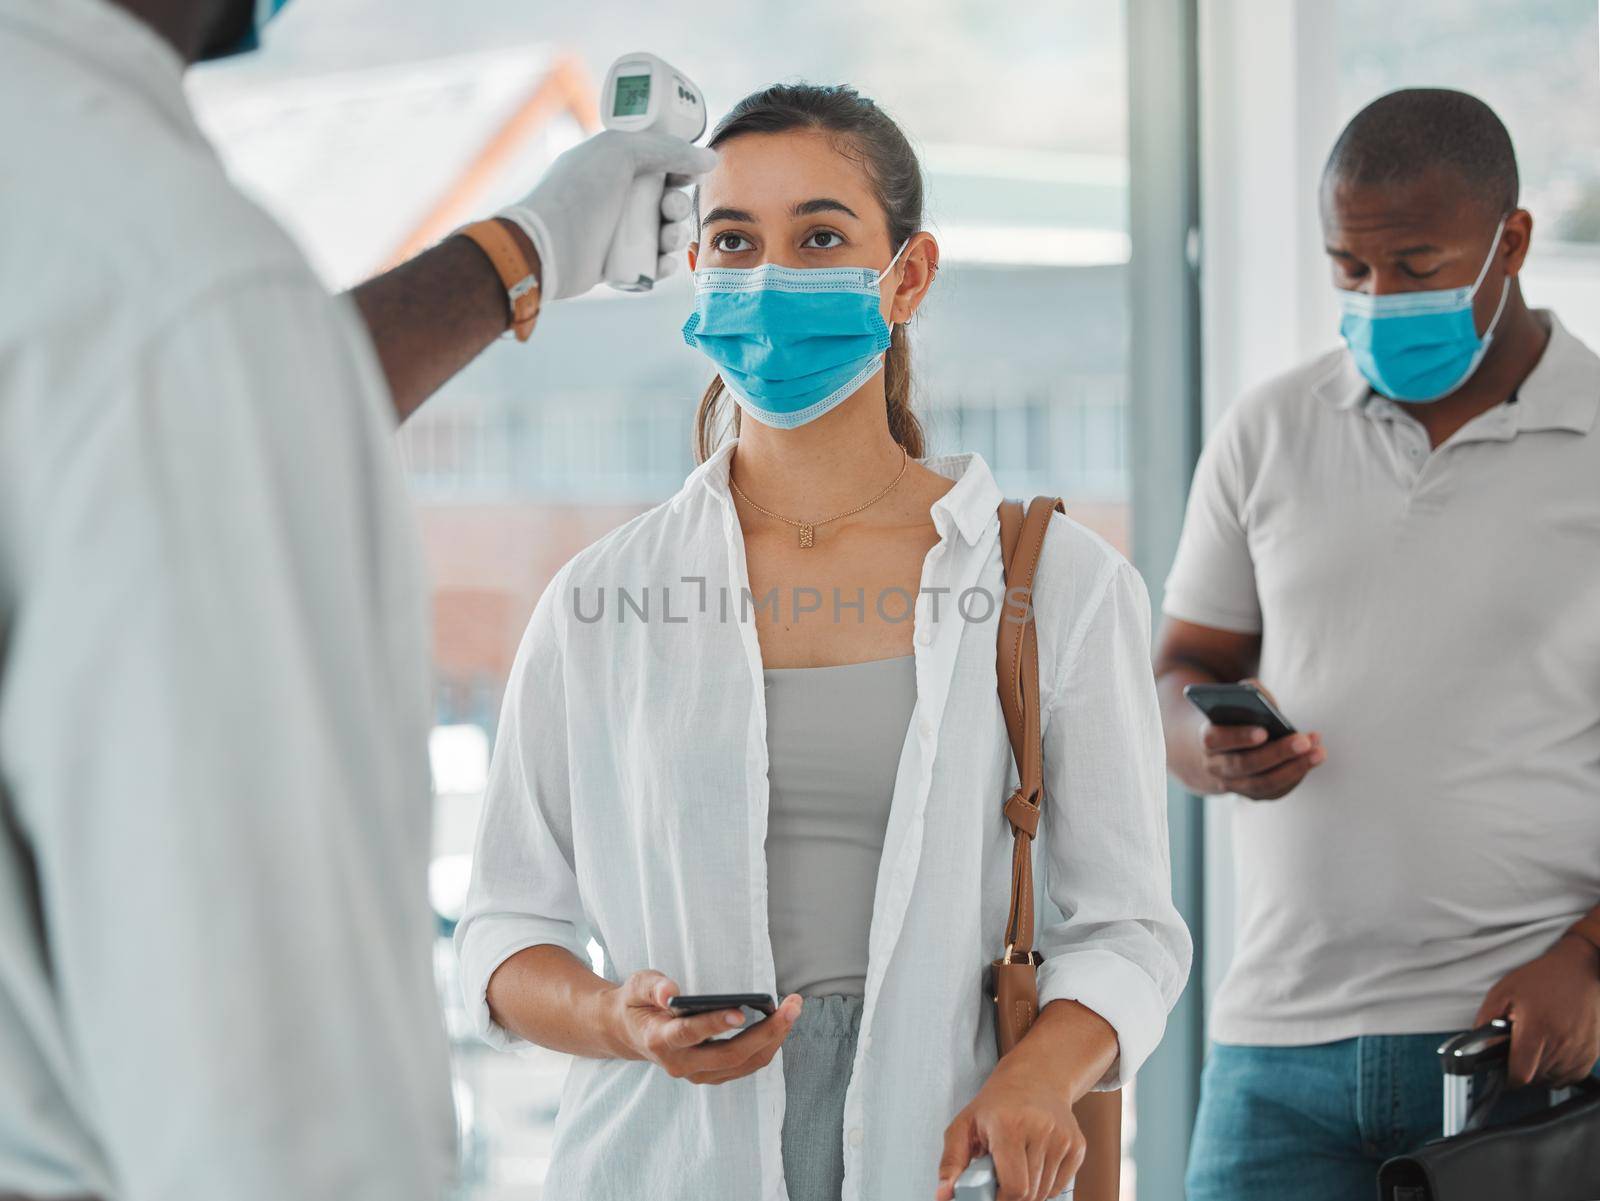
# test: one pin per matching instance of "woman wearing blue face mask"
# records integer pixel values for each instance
(752, 743)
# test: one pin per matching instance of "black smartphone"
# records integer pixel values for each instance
(687, 1007)
(1239, 705)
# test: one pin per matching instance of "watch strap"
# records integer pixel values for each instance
(514, 270)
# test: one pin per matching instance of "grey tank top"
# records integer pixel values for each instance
(834, 736)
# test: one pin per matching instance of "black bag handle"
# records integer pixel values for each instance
(1487, 1049)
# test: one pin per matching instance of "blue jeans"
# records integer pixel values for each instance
(1314, 1123)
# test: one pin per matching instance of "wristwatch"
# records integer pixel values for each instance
(514, 270)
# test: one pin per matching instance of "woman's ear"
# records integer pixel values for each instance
(693, 253)
(919, 266)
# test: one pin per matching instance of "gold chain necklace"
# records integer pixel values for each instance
(808, 529)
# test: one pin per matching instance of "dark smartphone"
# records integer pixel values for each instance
(687, 1007)
(1239, 705)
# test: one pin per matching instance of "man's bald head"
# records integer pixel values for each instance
(1406, 134)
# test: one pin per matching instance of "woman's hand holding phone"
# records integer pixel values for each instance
(644, 1027)
(1244, 760)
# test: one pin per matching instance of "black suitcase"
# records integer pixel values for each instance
(1553, 1155)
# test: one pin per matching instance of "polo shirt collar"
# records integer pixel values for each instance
(1562, 392)
(967, 508)
(1343, 387)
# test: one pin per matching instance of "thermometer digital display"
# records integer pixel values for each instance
(633, 96)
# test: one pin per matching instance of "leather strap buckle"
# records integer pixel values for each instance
(1023, 813)
(516, 273)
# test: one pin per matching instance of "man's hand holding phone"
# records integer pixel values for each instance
(1244, 758)
(643, 1026)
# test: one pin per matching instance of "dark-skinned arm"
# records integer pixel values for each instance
(433, 314)
(1554, 1006)
(1209, 759)
(1195, 654)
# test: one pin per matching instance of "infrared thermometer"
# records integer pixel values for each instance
(644, 93)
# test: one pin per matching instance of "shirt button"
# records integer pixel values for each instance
(925, 635)
(855, 1136)
(925, 728)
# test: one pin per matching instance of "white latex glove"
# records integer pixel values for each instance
(572, 215)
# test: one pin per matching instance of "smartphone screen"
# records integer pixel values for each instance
(688, 1006)
(1239, 705)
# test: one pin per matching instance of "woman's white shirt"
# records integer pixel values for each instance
(627, 804)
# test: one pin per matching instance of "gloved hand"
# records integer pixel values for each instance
(572, 215)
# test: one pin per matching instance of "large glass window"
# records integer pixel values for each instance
(371, 128)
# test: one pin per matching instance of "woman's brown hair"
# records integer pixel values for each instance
(866, 132)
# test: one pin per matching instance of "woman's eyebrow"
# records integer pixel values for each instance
(724, 213)
(822, 204)
(805, 208)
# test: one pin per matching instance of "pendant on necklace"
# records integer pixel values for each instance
(808, 537)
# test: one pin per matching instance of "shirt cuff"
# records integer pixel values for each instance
(1118, 991)
(483, 944)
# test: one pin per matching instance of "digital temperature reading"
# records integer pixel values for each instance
(633, 96)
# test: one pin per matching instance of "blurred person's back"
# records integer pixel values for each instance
(214, 938)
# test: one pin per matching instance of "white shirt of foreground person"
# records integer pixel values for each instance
(214, 936)
(1436, 617)
(628, 802)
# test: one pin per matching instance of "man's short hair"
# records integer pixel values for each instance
(1402, 135)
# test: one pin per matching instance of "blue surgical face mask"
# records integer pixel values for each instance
(1419, 346)
(791, 343)
(262, 11)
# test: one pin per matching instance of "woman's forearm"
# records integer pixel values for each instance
(1070, 1045)
(547, 996)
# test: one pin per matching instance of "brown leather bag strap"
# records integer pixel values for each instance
(1017, 670)
(1014, 980)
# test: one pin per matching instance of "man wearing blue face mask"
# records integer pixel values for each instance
(215, 941)
(1399, 539)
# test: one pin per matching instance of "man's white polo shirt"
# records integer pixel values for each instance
(1436, 616)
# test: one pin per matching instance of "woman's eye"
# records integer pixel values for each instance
(823, 239)
(731, 243)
